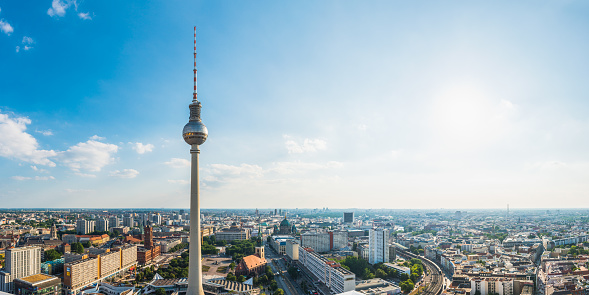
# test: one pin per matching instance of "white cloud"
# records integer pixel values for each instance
(27, 40)
(45, 132)
(29, 178)
(178, 181)
(362, 127)
(17, 48)
(85, 16)
(126, 173)
(96, 137)
(16, 143)
(243, 170)
(91, 156)
(6, 27)
(141, 148)
(308, 145)
(178, 163)
(20, 178)
(85, 175)
(58, 7)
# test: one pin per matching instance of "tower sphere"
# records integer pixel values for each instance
(195, 132)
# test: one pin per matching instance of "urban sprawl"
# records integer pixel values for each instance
(296, 251)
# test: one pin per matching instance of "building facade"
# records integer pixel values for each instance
(19, 263)
(378, 246)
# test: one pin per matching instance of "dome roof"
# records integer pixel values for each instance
(284, 223)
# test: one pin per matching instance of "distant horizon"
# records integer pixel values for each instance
(335, 209)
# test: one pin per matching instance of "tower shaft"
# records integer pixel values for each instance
(195, 257)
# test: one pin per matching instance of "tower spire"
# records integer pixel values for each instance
(194, 94)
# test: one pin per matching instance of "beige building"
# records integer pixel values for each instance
(98, 265)
(19, 263)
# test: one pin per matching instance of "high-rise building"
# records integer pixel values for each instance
(102, 224)
(84, 227)
(20, 262)
(348, 217)
(156, 219)
(114, 221)
(128, 221)
(378, 246)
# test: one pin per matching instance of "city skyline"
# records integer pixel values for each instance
(331, 104)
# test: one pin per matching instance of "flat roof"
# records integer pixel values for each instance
(37, 278)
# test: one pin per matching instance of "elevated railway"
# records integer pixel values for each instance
(433, 277)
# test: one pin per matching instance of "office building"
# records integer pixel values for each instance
(292, 249)
(39, 284)
(19, 263)
(324, 241)
(378, 246)
(233, 234)
(330, 273)
(348, 217)
(156, 219)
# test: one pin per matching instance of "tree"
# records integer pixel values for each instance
(231, 277)
(279, 292)
(160, 291)
(77, 248)
(273, 285)
(52, 254)
(293, 272)
(380, 273)
(241, 279)
(232, 265)
(407, 286)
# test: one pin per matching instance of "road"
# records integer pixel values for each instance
(277, 264)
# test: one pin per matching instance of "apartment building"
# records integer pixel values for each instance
(330, 273)
(378, 246)
(96, 266)
(19, 263)
(84, 227)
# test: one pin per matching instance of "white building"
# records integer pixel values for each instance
(128, 221)
(495, 285)
(378, 246)
(316, 240)
(84, 227)
(292, 249)
(330, 273)
(102, 224)
(20, 262)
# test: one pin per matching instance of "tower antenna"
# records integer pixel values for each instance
(194, 94)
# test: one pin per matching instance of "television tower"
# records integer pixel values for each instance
(195, 133)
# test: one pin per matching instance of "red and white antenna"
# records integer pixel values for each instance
(194, 94)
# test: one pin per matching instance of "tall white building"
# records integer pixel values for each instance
(20, 262)
(378, 246)
(84, 227)
(102, 224)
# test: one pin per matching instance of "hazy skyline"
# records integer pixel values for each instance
(335, 104)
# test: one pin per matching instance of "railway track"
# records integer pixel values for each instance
(434, 278)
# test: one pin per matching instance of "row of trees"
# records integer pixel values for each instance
(178, 247)
(240, 249)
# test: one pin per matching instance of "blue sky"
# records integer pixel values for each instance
(340, 104)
